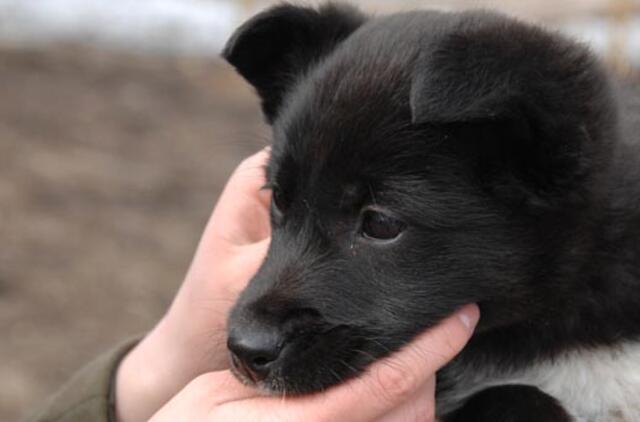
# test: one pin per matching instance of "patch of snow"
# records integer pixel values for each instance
(173, 26)
(195, 26)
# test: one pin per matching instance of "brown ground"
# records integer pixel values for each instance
(109, 167)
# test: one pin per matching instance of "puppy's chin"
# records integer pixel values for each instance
(313, 363)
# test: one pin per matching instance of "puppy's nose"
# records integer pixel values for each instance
(253, 350)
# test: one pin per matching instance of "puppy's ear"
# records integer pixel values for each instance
(274, 47)
(538, 103)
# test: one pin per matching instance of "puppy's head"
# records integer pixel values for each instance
(420, 162)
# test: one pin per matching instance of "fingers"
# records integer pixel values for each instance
(420, 407)
(215, 388)
(393, 380)
(242, 214)
(249, 176)
(246, 262)
(200, 399)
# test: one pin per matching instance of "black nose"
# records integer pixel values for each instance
(254, 350)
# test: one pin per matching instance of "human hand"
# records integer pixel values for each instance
(191, 338)
(398, 388)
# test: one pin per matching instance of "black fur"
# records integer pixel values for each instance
(274, 48)
(497, 143)
(525, 404)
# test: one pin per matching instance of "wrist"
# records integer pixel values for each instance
(148, 376)
(166, 360)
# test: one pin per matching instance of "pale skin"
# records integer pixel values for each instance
(180, 370)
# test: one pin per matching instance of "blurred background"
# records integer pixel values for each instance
(118, 128)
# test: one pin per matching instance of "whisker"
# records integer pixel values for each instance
(348, 366)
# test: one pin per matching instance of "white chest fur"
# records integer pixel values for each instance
(594, 385)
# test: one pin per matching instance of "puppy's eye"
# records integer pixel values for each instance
(379, 226)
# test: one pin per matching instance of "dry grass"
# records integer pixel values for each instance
(109, 167)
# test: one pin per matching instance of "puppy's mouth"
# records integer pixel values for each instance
(308, 362)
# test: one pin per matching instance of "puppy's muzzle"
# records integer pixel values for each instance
(255, 349)
(257, 344)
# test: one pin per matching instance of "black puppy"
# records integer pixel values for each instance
(426, 160)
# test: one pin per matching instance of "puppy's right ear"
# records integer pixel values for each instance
(274, 47)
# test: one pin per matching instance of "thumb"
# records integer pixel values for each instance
(392, 380)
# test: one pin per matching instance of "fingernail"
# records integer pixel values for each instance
(469, 316)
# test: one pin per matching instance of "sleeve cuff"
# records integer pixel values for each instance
(89, 394)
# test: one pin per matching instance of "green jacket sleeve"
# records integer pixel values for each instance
(88, 395)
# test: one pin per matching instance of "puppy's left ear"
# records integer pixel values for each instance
(539, 104)
(274, 47)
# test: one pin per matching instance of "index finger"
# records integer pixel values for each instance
(241, 216)
(249, 178)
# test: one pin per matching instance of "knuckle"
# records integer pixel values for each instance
(246, 162)
(396, 384)
(241, 170)
(252, 161)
